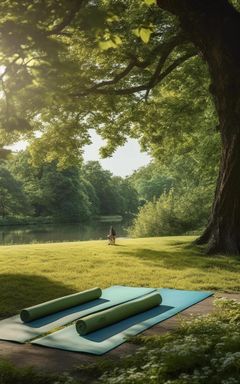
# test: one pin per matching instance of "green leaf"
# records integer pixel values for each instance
(145, 34)
(113, 42)
(105, 45)
(136, 32)
(150, 2)
(117, 40)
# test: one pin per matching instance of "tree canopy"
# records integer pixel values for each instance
(159, 71)
(72, 63)
(73, 194)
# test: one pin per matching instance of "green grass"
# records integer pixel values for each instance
(38, 272)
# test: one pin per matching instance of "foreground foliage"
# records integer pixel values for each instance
(203, 350)
(9, 374)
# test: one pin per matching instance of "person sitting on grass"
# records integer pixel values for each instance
(112, 236)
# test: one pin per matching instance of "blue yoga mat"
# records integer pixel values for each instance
(103, 340)
(13, 329)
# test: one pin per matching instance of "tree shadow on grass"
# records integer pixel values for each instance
(18, 291)
(180, 257)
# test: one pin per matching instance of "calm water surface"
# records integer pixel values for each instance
(45, 233)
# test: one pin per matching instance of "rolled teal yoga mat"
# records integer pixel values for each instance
(13, 329)
(113, 315)
(105, 339)
(59, 304)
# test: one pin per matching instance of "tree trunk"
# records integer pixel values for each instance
(223, 231)
(214, 27)
(2, 209)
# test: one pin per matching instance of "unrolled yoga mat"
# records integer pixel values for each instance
(13, 329)
(105, 339)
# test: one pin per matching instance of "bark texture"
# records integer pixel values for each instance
(214, 27)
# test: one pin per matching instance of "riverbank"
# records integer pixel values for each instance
(29, 220)
(59, 232)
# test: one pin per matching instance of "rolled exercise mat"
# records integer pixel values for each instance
(52, 306)
(113, 315)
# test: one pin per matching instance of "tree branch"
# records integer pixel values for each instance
(158, 70)
(175, 64)
(67, 20)
(117, 77)
(164, 48)
(8, 67)
(6, 99)
(142, 87)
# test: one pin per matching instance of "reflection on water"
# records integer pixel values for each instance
(45, 233)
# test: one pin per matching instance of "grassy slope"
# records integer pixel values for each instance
(37, 272)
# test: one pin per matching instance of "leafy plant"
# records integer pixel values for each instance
(203, 350)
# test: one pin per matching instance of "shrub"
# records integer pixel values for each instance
(174, 213)
(203, 350)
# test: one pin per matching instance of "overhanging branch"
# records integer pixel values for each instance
(155, 79)
(157, 71)
(174, 65)
(164, 48)
(67, 20)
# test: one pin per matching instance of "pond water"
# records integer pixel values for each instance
(44, 233)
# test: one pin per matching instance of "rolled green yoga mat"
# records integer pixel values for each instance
(53, 306)
(113, 315)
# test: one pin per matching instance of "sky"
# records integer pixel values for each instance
(124, 161)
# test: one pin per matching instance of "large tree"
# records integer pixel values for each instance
(54, 79)
(214, 28)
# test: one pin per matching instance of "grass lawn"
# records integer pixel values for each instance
(37, 272)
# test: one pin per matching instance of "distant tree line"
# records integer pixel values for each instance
(169, 196)
(74, 194)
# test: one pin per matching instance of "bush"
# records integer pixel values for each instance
(9, 374)
(156, 218)
(173, 214)
(203, 350)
